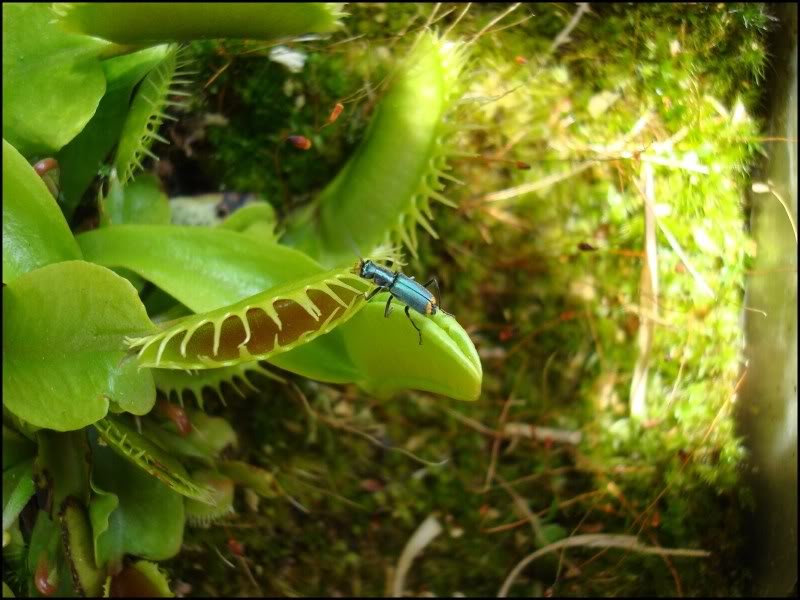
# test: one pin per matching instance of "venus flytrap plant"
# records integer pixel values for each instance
(69, 308)
(85, 155)
(209, 269)
(386, 187)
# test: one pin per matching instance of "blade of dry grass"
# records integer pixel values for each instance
(596, 540)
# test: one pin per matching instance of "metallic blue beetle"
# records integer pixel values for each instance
(402, 287)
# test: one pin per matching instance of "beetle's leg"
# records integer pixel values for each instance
(408, 314)
(373, 293)
(437, 294)
(388, 310)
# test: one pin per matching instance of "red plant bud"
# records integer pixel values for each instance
(46, 585)
(45, 165)
(177, 415)
(337, 110)
(236, 547)
(300, 142)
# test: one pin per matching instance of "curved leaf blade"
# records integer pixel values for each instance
(18, 488)
(35, 233)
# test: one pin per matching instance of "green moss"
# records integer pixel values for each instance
(265, 103)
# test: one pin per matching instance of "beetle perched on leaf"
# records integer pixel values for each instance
(402, 287)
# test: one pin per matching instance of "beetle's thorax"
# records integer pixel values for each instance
(382, 276)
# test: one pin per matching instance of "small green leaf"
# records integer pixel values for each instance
(208, 437)
(18, 488)
(34, 230)
(551, 533)
(140, 23)
(141, 202)
(222, 489)
(391, 358)
(52, 80)
(16, 448)
(132, 512)
(63, 345)
(257, 218)
(262, 482)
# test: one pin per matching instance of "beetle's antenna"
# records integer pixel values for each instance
(354, 247)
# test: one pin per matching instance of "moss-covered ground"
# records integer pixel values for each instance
(597, 259)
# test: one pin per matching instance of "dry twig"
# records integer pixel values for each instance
(424, 535)
(596, 540)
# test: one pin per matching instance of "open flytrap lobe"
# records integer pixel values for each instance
(150, 457)
(257, 327)
(398, 168)
(148, 111)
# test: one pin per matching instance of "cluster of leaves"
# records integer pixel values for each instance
(99, 478)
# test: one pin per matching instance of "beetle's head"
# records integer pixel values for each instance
(363, 268)
(366, 269)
